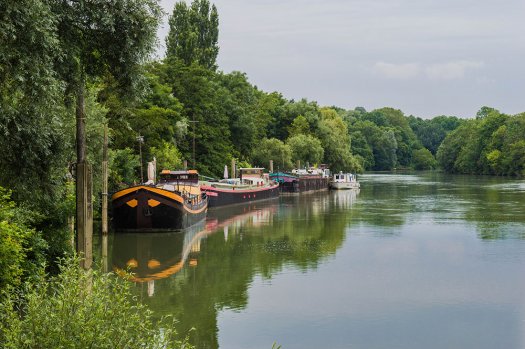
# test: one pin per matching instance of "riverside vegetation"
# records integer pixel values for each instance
(55, 53)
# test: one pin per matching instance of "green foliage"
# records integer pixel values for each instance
(21, 248)
(167, 156)
(432, 132)
(203, 99)
(299, 126)
(273, 149)
(31, 122)
(100, 37)
(376, 145)
(424, 160)
(123, 168)
(305, 148)
(490, 144)
(79, 309)
(335, 140)
(240, 106)
(449, 150)
(194, 33)
(288, 112)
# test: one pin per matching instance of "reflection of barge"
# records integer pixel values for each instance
(344, 181)
(302, 180)
(176, 202)
(252, 185)
(154, 256)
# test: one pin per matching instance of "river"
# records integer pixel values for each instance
(412, 261)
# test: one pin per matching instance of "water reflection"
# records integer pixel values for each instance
(193, 274)
(153, 256)
(427, 260)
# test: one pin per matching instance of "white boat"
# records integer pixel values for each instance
(344, 181)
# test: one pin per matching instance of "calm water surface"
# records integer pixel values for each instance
(411, 261)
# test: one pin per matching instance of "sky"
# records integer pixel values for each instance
(424, 57)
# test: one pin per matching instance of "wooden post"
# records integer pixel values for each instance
(298, 164)
(84, 214)
(105, 253)
(105, 182)
(233, 169)
(271, 166)
(84, 207)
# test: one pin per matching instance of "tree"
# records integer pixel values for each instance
(291, 110)
(424, 160)
(240, 105)
(32, 133)
(272, 149)
(452, 145)
(385, 150)
(123, 167)
(203, 99)
(333, 134)
(194, 34)
(99, 38)
(299, 126)
(167, 156)
(306, 148)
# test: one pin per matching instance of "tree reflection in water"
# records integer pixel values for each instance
(193, 274)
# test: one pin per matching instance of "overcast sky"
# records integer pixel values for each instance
(425, 57)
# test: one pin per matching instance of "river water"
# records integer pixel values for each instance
(416, 261)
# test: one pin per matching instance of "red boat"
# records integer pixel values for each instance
(252, 185)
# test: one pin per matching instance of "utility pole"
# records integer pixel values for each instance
(193, 122)
(140, 139)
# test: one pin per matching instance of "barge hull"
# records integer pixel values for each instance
(223, 197)
(144, 209)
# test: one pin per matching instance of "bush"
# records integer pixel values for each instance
(423, 159)
(21, 248)
(80, 309)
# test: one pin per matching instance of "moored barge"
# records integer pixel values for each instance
(252, 185)
(302, 180)
(175, 202)
(344, 181)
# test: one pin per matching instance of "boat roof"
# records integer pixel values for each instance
(180, 172)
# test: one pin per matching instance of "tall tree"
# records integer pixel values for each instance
(100, 38)
(203, 99)
(306, 148)
(31, 120)
(194, 34)
(272, 149)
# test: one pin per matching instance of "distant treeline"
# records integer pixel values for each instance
(55, 53)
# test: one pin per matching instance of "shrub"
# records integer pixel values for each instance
(21, 248)
(80, 309)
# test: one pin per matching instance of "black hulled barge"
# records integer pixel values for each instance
(175, 202)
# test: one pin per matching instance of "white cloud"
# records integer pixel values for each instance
(450, 70)
(439, 71)
(398, 71)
